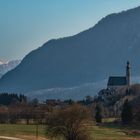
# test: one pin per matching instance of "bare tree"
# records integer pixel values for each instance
(71, 123)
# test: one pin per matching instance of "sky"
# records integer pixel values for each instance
(27, 24)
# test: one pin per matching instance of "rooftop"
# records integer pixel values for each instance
(117, 81)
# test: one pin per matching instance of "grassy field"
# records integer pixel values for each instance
(28, 132)
(12, 130)
(107, 131)
(113, 133)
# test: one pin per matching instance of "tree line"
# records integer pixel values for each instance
(7, 99)
(69, 119)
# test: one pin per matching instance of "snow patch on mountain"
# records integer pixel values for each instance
(2, 62)
(6, 66)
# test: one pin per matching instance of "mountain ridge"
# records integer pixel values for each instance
(89, 56)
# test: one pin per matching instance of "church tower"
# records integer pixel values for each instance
(128, 73)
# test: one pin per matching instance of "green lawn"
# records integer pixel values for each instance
(102, 132)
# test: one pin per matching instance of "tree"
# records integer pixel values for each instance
(126, 115)
(98, 115)
(88, 100)
(71, 123)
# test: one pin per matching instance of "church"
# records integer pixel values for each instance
(120, 81)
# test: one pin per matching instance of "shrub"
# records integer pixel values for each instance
(71, 123)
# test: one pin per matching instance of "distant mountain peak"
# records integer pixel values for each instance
(6, 66)
(3, 62)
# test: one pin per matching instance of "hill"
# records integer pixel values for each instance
(113, 99)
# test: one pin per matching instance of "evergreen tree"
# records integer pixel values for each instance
(127, 115)
(98, 115)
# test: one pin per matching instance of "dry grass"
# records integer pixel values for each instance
(107, 131)
(25, 137)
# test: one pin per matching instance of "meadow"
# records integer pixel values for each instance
(106, 131)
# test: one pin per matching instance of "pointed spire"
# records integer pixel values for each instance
(128, 73)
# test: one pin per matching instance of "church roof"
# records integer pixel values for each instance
(117, 81)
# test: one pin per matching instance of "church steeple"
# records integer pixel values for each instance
(128, 73)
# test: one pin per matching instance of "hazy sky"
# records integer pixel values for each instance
(27, 24)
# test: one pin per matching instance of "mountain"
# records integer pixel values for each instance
(1, 62)
(88, 57)
(7, 66)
